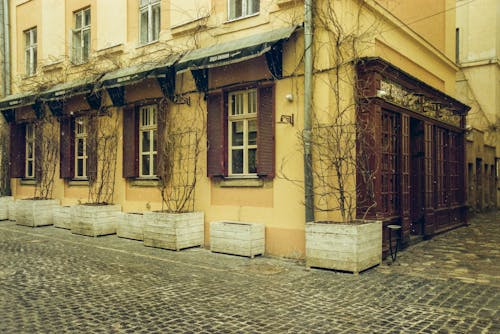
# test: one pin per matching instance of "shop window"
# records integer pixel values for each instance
(30, 151)
(149, 17)
(141, 139)
(81, 36)
(30, 51)
(242, 8)
(240, 131)
(81, 148)
(390, 164)
(242, 125)
(148, 140)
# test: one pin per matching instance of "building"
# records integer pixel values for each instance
(478, 84)
(227, 84)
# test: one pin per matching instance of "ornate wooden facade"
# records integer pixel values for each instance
(418, 145)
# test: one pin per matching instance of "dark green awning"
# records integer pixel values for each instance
(17, 100)
(68, 89)
(233, 51)
(136, 73)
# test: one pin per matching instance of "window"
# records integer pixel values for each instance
(240, 133)
(149, 13)
(390, 164)
(241, 8)
(30, 51)
(147, 141)
(242, 125)
(30, 151)
(81, 36)
(81, 148)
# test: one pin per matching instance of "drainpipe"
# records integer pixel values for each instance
(6, 39)
(308, 67)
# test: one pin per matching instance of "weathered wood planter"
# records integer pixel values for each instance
(94, 220)
(35, 212)
(131, 226)
(5, 203)
(349, 247)
(12, 210)
(62, 216)
(174, 231)
(237, 238)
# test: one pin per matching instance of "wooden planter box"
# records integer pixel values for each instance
(238, 238)
(94, 220)
(349, 247)
(35, 212)
(62, 216)
(131, 226)
(12, 210)
(5, 203)
(174, 231)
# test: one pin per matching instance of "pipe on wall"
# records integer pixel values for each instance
(308, 69)
(6, 48)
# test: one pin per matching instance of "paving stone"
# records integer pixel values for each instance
(52, 281)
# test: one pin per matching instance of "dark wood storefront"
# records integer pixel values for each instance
(418, 162)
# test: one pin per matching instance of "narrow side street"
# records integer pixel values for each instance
(54, 282)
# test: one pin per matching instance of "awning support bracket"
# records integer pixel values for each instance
(117, 95)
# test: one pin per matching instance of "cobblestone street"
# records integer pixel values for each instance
(53, 282)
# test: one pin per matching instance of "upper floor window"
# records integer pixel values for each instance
(30, 51)
(147, 140)
(30, 151)
(149, 20)
(80, 148)
(81, 36)
(241, 8)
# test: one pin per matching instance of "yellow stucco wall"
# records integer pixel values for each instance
(277, 203)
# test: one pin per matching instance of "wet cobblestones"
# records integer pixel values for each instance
(54, 282)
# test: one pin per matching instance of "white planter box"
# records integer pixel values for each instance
(62, 216)
(174, 230)
(349, 247)
(94, 220)
(238, 238)
(12, 210)
(5, 203)
(131, 226)
(35, 212)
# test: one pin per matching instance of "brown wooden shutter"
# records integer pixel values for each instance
(130, 143)
(216, 135)
(265, 134)
(39, 150)
(92, 146)
(67, 149)
(160, 133)
(17, 150)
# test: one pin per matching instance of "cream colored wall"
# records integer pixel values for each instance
(278, 203)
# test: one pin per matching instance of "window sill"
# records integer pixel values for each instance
(241, 18)
(28, 182)
(144, 182)
(249, 181)
(189, 27)
(78, 183)
(139, 46)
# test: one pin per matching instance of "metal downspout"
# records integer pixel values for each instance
(308, 67)
(6, 49)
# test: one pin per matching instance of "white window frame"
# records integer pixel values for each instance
(30, 51)
(78, 32)
(148, 122)
(81, 128)
(30, 142)
(148, 7)
(246, 112)
(246, 7)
